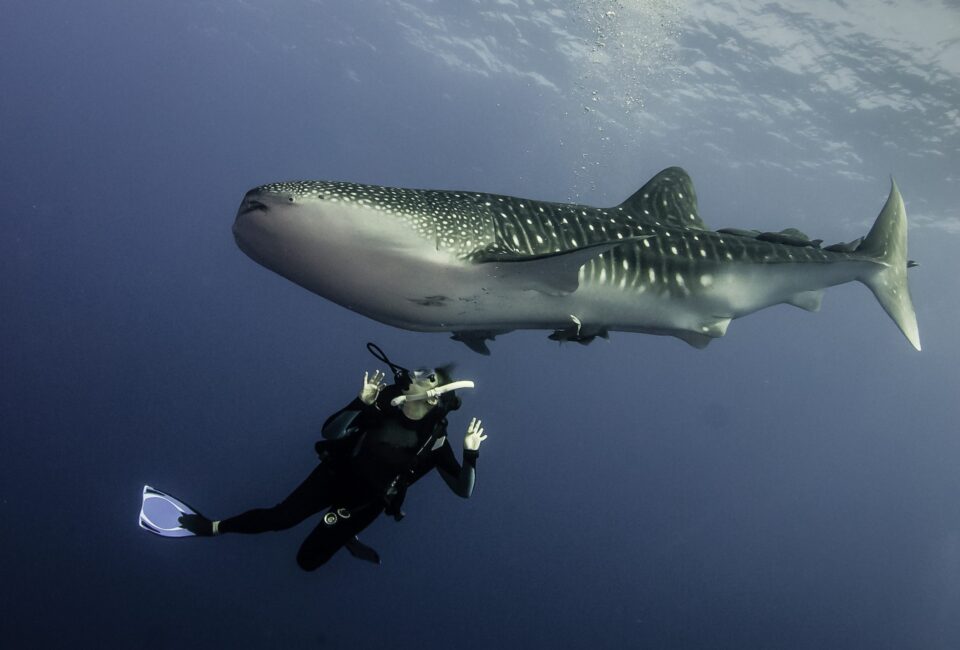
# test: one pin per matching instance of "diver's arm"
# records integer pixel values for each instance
(460, 478)
(338, 424)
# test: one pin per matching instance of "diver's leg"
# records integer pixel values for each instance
(310, 497)
(326, 539)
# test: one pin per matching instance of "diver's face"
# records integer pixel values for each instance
(421, 382)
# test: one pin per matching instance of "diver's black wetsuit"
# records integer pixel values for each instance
(370, 455)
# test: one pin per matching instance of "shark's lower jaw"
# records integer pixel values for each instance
(478, 264)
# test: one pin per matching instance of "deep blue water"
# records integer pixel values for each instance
(795, 485)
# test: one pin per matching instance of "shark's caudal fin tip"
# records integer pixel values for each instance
(911, 330)
(886, 243)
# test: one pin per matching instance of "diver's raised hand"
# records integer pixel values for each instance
(371, 387)
(474, 435)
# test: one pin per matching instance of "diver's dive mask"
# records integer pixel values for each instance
(424, 377)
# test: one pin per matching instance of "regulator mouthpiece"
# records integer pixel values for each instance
(433, 392)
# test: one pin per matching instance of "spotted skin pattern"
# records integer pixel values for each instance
(678, 257)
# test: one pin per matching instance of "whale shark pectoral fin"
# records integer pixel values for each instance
(555, 274)
(809, 300)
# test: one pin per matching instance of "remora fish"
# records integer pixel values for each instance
(478, 265)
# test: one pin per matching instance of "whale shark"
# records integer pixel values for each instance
(479, 265)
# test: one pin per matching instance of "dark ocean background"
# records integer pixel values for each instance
(795, 485)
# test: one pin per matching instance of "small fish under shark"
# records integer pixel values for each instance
(480, 265)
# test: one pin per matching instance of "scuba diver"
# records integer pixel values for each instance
(372, 451)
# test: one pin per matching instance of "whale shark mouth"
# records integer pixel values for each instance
(252, 205)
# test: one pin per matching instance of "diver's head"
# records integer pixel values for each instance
(424, 389)
(418, 403)
(419, 398)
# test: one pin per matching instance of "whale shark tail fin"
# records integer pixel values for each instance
(886, 244)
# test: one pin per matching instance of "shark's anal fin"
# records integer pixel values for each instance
(555, 274)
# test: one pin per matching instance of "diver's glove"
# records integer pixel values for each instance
(198, 525)
(371, 387)
(471, 441)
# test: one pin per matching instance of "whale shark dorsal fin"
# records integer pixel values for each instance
(667, 198)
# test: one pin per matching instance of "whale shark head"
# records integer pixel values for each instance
(329, 217)
(361, 245)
